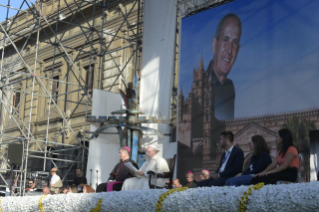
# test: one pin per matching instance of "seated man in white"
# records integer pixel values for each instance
(153, 163)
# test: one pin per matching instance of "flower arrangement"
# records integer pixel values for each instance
(165, 195)
(285, 197)
(0, 202)
(98, 207)
(40, 203)
(244, 198)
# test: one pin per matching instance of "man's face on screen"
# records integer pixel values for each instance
(226, 47)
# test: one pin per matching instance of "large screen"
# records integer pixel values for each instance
(251, 67)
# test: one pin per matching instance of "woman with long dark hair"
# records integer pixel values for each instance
(258, 162)
(285, 166)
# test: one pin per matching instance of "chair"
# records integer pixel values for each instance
(169, 175)
(299, 178)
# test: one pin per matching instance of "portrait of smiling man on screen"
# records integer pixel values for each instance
(225, 47)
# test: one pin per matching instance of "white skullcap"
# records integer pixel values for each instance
(154, 147)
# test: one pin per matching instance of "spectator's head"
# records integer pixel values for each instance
(258, 145)
(189, 176)
(88, 189)
(73, 189)
(124, 153)
(225, 44)
(65, 190)
(226, 139)
(54, 171)
(176, 183)
(78, 172)
(151, 151)
(204, 175)
(31, 184)
(46, 191)
(285, 140)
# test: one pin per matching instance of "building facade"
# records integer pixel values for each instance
(82, 45)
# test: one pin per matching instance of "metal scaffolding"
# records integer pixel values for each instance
(192, 7)
(28, 75)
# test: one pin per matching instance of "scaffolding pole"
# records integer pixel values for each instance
(36, 42)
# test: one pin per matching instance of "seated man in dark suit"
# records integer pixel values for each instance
(230, 165)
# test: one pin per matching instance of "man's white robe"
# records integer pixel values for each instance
(156, 164)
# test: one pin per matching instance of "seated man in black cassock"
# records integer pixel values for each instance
(230, 165)
(119, 173)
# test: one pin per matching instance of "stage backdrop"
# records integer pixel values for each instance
(157, 70)
(105, 148)
(253, 72)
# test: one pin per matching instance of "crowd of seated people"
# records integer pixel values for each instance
(259, 161)
(286, 164)
(261, 167)
(121, 175)
(79, 184)
(69, 190)
(123, 178)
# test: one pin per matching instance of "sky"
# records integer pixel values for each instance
(277, 67)
(12, 12)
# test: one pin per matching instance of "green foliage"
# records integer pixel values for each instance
(300, 131)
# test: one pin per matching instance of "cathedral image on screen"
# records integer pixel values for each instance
(199, 129)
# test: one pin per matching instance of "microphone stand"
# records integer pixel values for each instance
(91, 178)
(97, 178)
(155, 172)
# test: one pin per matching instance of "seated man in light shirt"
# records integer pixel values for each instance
(230, 165)
(153, 163)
